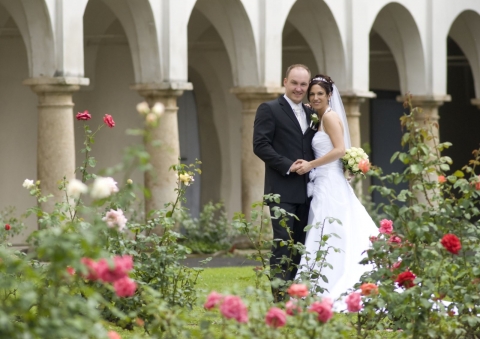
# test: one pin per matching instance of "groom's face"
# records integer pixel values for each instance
(296, 84)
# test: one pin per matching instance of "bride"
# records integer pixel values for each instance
(333, 197)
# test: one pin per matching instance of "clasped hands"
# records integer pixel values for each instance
(301, 167)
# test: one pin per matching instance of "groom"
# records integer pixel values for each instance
(281, 135)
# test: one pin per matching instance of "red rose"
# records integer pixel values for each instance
(83, 116)
(108, 120)
(451, 243)
(7, 227)
(405, 279)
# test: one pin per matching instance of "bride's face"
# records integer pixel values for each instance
(318, 98)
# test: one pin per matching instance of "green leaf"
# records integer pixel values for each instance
(169, 214)
(459, 174)
(394, 156)
(445, 167)
(416, 168)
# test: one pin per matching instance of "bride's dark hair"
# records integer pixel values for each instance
(323, 81)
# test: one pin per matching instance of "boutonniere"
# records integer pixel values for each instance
(314, 121)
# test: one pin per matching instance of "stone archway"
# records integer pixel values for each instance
(218, 122)
(459, 118)
(311, 34)
(397, 27)
(18, 123)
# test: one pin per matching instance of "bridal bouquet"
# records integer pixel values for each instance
(356, 161)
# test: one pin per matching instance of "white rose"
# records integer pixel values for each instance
(75, 188)
(351, 162)
(143, 108)
(357, 159)
(158, 109)
(346, 156)
(355, 168)
(365, 156)
(353, 154)
(28, 184)
(103, 187)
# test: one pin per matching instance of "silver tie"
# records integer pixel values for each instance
(301, 119)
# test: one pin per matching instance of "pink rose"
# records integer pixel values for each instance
(396, 265)
(108, 120)
(83, 115)
(298, 290)
(353, 302)
(364, 165)
(70, 270)
(92, 268)
(292, 308)
(213, 300)
(233, 307)
(115, 218)
(394, 240)
(125, 287)
(441, 179)
(276, 317)
(323, 309)
(373, 239)
(386, 226)
(121, 266)
(113, 335)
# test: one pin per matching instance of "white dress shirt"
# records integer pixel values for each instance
(299, 113)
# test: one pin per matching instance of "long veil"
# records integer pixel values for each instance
(337, 105)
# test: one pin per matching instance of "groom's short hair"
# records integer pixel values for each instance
(295, 66)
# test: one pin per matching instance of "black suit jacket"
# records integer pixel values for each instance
(278, 140)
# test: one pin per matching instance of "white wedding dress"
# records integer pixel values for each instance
(334, 197)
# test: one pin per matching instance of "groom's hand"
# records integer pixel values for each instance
(294, 167)
(303, 166)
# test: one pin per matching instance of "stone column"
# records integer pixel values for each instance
(253, 169)
(351, 103)
(55, 139)
(429, 105)
(428, 116)
(165, 149)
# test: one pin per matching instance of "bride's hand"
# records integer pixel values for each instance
(304, 167)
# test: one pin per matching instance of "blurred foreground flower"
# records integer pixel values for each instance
(103, 187)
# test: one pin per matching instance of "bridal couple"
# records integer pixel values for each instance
(297, 150)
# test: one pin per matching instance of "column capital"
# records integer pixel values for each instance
(257, 92)
(162, 89)
(475, 102)
(427, 100)
(56, 84)
(358, 96)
